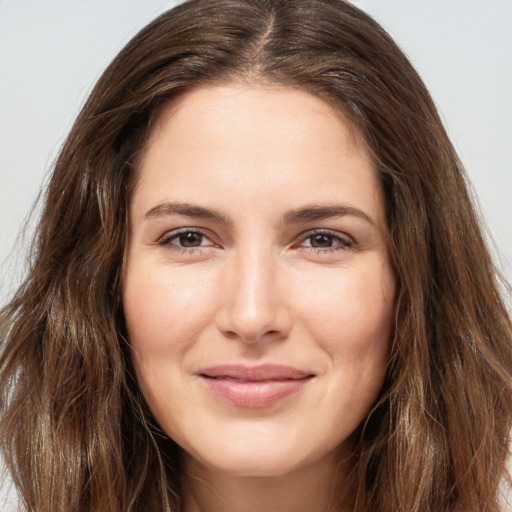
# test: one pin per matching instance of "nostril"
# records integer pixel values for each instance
(271, 334)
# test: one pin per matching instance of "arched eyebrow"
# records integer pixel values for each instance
(308, 213)
(190, 210)
(319, 212)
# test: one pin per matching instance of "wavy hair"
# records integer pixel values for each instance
(75, 431)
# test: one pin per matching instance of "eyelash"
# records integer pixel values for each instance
(166, 240)
(342, 242)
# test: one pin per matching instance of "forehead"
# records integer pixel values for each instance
(255, 142)
(235, 106)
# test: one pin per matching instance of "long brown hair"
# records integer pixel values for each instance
(75, 431)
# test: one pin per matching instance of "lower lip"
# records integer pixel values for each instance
(254, 394)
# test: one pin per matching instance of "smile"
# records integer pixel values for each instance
(254, 387)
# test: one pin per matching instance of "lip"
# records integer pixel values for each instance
(254, 387)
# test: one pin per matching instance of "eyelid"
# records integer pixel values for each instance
(346, 241)
(168, 236)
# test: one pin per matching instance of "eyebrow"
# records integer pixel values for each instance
(324, 212)
(190, 210)
(308, 213)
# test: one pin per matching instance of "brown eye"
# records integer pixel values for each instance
(184, 239)
(321, 240)
(190, 239)
(327, 240)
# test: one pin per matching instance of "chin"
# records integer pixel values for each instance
(252, 466)
(262, 458)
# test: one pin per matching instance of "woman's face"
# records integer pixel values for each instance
(258, 294)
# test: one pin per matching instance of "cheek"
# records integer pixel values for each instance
(351, 315)
(353, 325)
(164, 310)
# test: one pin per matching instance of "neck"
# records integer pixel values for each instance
(314, 488)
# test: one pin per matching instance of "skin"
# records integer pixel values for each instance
(258, 283)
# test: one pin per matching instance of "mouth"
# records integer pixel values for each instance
(254, 387)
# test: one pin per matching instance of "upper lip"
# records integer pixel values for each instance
(261, 372)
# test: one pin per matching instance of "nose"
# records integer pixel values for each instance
(254, 306)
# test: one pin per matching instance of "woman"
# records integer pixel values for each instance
(259, 284)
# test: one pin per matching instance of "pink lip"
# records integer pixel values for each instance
(254, 387)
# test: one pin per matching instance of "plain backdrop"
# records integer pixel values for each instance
(52, 51)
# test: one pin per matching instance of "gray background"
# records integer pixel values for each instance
(52, 51)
